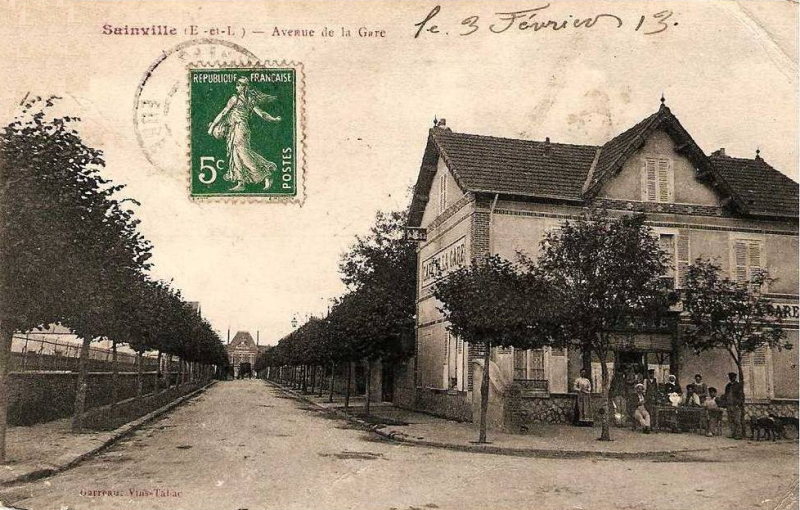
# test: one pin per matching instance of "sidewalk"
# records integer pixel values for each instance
(48, 448)
(542, 440)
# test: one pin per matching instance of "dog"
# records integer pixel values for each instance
(785, 421)
(766, 427)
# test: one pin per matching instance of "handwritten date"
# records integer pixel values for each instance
(536, 19)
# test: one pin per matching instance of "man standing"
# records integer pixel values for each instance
(734, 399)
(651, 391)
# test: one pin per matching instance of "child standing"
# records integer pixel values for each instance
(713, 413)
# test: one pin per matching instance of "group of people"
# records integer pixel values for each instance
(636, 398)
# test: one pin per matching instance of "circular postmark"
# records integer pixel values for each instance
(159, 112)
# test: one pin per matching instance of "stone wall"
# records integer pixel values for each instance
(453, 406)
(776, 407)
(38, 397)
(551, 409)
(404, 394)
(102, 418)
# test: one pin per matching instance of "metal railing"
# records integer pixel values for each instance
(50, 353)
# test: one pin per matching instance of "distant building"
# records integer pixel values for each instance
(242, 349)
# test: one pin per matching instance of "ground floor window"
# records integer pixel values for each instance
(456, 363)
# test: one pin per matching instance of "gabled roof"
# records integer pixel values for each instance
(517, 167)
(616, 151)
(243, 338)
(576, 173)
(760, 189)
(506, 166)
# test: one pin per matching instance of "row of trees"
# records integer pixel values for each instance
(373, 320)
(593, 277)
(71, 253)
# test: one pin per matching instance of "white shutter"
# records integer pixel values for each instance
(667, 244)
(754, 257)
(664, 181)
(460, 364)
(557, 378)
(649, 189)
(683, 256)
(740, 261)
(754, 366)
(446, 364)
(597, 375)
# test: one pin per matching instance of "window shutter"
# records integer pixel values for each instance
(649, 180)
(664, 185)
(667, 243)
(740, 261)
(682, 256)
(754, 256)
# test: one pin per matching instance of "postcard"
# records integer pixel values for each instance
(399, 255)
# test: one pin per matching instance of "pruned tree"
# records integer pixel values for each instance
(380, 271)
(605, 272)
(729, 314)
(66, 240)
(491, 304)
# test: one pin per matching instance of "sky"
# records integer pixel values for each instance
(728, 70)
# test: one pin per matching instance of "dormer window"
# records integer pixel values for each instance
(657, 180)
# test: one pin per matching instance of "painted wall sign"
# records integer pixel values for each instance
(444, 261)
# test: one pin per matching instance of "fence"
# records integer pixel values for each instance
(54, 354)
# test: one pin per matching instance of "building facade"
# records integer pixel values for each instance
(479, 195)
(242, 349)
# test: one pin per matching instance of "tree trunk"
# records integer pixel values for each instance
(333, 379)
(158, 373)
(180, 372)
(347, 388)
(305, 379)
(741, 413)
(167, 374)
(6, 336)
(484, 392)
(139, 374)
(605, 422)
(369, 388)
(114, 381)
(80, 392)
(321, 376)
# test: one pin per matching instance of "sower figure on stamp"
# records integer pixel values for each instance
(245, 166)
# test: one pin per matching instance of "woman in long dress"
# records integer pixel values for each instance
(583, 404)
(245, 166)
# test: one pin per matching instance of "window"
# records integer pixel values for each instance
(677, 245)
(442, 193)
(757, 384)
(657, 180)
(455, 363)
(747, 259)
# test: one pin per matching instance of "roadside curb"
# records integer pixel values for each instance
(116, 435)
(495, 450)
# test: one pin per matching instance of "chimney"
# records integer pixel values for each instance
(547, 147)
(719, 152)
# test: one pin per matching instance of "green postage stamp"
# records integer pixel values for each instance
(246, 132)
